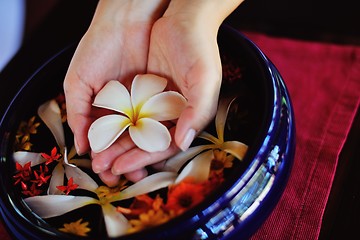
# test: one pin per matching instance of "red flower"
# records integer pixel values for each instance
(23, 173)
(32, 191)
(70, 186)
(53, 157)
(40, 177)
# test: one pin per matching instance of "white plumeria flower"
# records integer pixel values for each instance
(141, 113)
(50, 114)
(48, 206)
(204, 153)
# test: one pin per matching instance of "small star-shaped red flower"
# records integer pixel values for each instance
(70, 186)
(55, 156)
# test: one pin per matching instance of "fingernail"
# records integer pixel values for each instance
(189, 137)
(77, 148)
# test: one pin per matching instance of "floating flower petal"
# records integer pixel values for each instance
(55, 205)
(115, 222)
(50, 113)
(149, 184)
(198, 169)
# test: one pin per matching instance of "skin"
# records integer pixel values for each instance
(175, 39)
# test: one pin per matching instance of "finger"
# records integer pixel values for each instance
(103, 161)
(202, 95)
(136, 175)
(78, 107)
(159, 166)
(136, 158)
(109, 179)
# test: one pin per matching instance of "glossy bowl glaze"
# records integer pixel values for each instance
(249, 192)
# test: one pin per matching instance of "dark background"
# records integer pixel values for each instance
(52, 25)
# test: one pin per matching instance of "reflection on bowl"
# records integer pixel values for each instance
(260, 117)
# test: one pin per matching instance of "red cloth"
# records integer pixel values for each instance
(324, 85)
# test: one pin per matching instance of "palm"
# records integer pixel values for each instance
(181, 51)
(103, 54)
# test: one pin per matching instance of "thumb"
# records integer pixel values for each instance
(202, 104)
(78, 107)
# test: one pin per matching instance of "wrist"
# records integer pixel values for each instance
(212, 12)
(129, 11)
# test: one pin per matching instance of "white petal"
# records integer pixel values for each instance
(50, 113)
(198, 169)
(221, 117)
(145, 86)
(105, 130)
(47, 206)
(164, 106)
(151, 183)
(116, 224)
(57, 179)
(114, 96)
(23, 157)
(81, 178)
(176, 162)
(207, 136)
(235, 148)
(150, 135)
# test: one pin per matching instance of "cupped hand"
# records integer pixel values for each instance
(183, 47)
(114, 47)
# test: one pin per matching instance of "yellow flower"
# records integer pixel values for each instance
(76, 228)
(149, 219)
(221, 160)
(23, 134)
(27, 128)
(23, 143)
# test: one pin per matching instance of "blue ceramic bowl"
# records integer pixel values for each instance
(236, 210)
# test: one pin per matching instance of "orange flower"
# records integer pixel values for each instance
(184, 196)
(142, 204)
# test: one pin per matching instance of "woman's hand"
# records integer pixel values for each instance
(114, 47)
